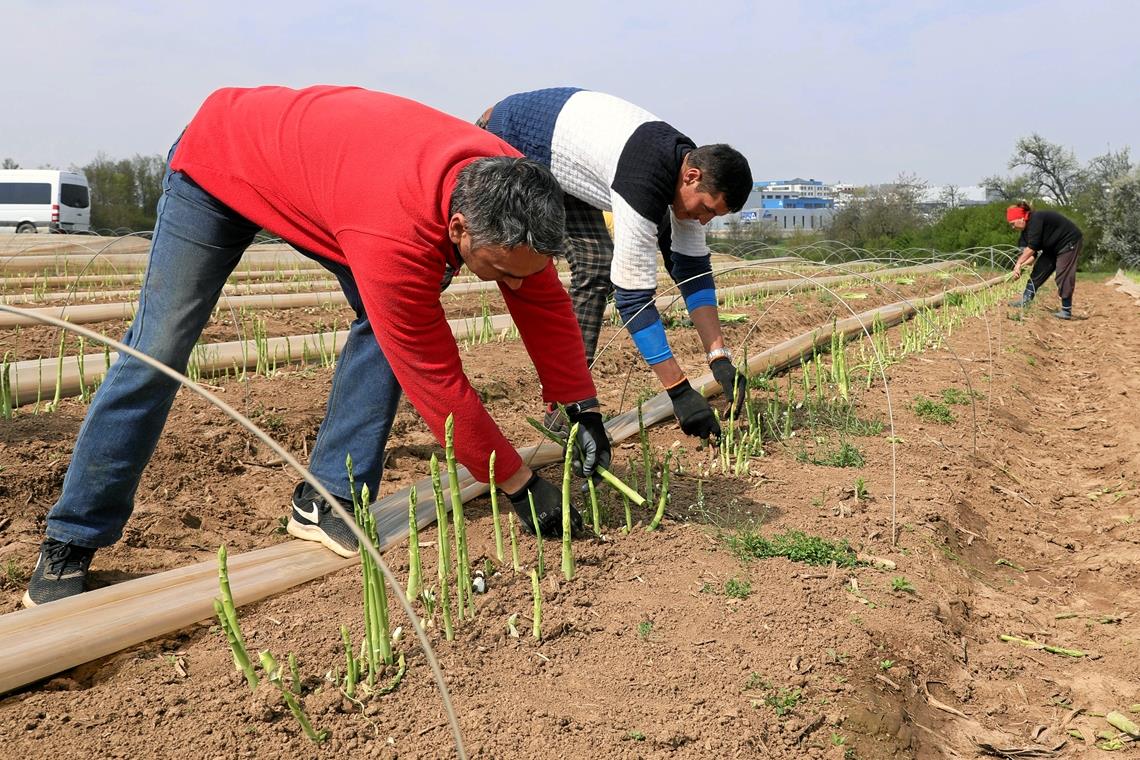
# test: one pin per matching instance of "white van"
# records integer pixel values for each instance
(44, 200)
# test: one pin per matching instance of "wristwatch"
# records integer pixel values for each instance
(581, 406)
(719, 353)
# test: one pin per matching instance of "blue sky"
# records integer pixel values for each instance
(838, 91)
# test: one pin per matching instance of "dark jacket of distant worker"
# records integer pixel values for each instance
(392, 197)
(1056, 243)
(611, 155)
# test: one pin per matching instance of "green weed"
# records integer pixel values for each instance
(903, 585)
(933, 411)
(794, 545)
(644, 628)
(847, 455)
(958, 396)
(783, 701)
(737, 589)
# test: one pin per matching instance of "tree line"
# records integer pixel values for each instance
(1102, 197)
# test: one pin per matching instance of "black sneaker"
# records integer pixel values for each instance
(60, 572)
(314, 520)
(1063, 314)
(1021, 303)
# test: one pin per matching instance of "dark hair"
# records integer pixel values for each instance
(723, 170)
(511, 201)
(1024, 206)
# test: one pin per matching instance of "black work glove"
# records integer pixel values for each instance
(548, 507)
(732, 382)
(693, 411)
(592, 449)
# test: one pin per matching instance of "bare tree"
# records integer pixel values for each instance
(1007, 188)
(9, 164)
(1053, 170)
(951, 196)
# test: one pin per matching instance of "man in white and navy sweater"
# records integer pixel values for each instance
(610, 155)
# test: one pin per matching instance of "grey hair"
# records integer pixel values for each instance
(511, 201)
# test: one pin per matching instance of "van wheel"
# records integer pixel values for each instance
(26, 227)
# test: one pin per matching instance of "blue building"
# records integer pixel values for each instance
(785, 205)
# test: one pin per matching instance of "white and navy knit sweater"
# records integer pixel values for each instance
(614, 156)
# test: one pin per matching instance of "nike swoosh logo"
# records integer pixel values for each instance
(312, 515)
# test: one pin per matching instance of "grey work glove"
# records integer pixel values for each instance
(547, 506)
(693, 411)
(732, 382)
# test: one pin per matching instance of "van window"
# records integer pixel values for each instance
(74, 196)
(25, 192)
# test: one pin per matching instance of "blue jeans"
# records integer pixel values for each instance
(197, 243)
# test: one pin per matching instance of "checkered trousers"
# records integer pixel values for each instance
(589, 250)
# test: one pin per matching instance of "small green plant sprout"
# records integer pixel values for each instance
(663, 499)
(227, 619)
(736, 589)
(838, 740)
(644, 628)
(595, 509)
(933, 411)
(567, 524)
(273, 672)
(635, 736)
(498, 528)
(860, 489)
(536, 591)
(462, 560)
(901, 584)
(886, 664)
(415, 569)
(783, 701)
(513, 625)
(6, 402)
(515, 564)
(539, 560)
(444, 551)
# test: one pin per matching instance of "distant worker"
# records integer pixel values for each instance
(610, 155)
(1056, 242)
(391, 196)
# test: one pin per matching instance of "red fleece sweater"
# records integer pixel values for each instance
(365, 179)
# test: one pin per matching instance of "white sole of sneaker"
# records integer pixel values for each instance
(313, 533)
(27, 600)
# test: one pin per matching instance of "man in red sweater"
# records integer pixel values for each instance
(391, 196)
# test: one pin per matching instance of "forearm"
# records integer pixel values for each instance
(1026, 255)
(668, 372)
(707, 321)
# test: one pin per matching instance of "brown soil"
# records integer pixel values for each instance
(643, 653)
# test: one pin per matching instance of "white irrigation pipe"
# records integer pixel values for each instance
(28, 377)
(280, 451)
